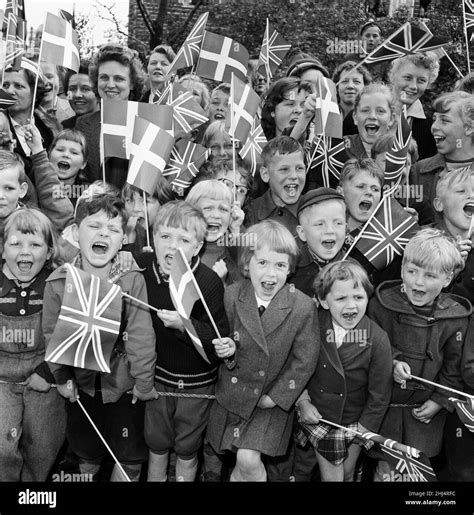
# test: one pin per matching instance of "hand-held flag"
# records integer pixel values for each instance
(60, 43)
(188, 54)
(273, 50)
(244, 103)
(468, 17)
(408, 39)
(184, 163)
(6, 100)
(465, 411)
(252, 149)
(386, 233)
(326, 158)
(88, 323)
(328, 118)
(396, 158)
(149, 151)
(185, 292)
(220, 57)
(15, 41)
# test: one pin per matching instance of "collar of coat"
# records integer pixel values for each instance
(390, 295)
(267, 206)
(431, 164)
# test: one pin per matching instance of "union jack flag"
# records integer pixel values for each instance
(16, 7)
(188, 54)
(15, 43)
(274, 48)
(408, 39)
(5, 99)
(407, 460)
(184, 291)
(468, 6)
(187, 113)
(88, 323)
(244, 103)
(183, 166)
(172, 91)
(396, 158)
(326, 150)
(386, 233)
(465, 411)
(252, 149)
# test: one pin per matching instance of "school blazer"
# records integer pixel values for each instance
(276, 353)
(370, 371)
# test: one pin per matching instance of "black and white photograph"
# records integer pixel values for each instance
(236, 245)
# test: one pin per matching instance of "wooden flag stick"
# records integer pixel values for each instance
(103, 441)
(458, 392)
(146, 221)
(141, 302)
(471, 227)
(232, 130)
(102, 141)
(37, 76)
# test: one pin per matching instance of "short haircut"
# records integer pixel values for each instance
(346, 270)
(83, 70)
(10, 160)
(385, 142)
(179, 214)
(432, 249)
(33, 221)
(162, 192)
(214, 128)
(305, 211)
(224, 87)
(211, 189)
(352, 167)
(271, 234)
(217, 164)
(37, 85)
(126, 57)
(448, 179)
(350, 65)
(276, 94)
(466, 83)
(464, 106)
(71, 135)
(113, 206)
(370, 23)
(427, 60)
(372, 89)
(281, 145)
(97, 188)
(198, 84)
(166, 50)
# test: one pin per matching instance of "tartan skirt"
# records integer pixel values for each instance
(332, 443)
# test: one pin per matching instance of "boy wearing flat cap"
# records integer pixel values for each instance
(322, 229)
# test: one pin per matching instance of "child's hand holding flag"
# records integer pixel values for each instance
(224, 347)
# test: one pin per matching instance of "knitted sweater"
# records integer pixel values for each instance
(178, 362)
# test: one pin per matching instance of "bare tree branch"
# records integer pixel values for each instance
(185, 24)
(146, 17)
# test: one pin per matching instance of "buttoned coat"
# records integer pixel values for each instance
(361, 392)
(276, 353)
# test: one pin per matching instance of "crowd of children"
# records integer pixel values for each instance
(305, 345)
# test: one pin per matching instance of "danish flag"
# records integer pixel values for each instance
(60, 43)
(184, 291)
(188, 54)
(220, 57)
(244, 103)
(88, 323)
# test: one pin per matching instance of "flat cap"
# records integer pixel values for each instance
(316, 196)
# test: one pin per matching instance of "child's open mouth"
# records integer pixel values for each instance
(417, 294)
(219, 116)
(371, 130)
(469, 209)
(100, 248)
(64, 166)
(213, 228)
(291, 189)
(328, 244)
(268, 286)
(350, 317)
(24, 265)
(169, 259)
(365, 205)
(439, 139)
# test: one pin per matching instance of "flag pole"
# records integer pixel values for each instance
(232, 130)
(140, 302)
(200, 295)
(146, 221)
(458, 392)
(465, 36)
(103, 441)
(102, 140)
(37, 76)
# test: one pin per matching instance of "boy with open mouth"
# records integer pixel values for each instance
(284, 171)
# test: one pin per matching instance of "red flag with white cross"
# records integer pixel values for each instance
(244, 103)
(328, 118)
(60, 43)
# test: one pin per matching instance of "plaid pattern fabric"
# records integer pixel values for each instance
(330, 442)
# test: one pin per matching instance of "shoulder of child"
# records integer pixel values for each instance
(451, 305)
(59, 273)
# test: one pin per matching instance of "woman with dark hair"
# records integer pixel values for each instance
(159, 62)
(116, 73)
(283, 105)
(21, 86)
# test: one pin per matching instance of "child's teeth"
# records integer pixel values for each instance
(291, 191)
